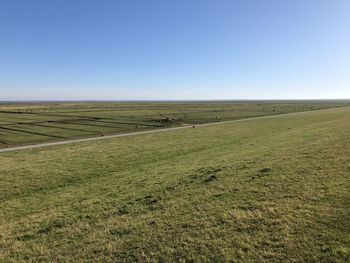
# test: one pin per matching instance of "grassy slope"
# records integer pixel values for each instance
(274, 189)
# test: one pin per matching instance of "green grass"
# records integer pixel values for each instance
(268, 190)
(22, 124)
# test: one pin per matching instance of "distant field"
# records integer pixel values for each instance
(22, 124)
(267, 190)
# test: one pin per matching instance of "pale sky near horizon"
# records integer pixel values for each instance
(166, 49)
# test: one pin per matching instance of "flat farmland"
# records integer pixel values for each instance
(30, 123)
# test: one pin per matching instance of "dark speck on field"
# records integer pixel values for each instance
(51, 226)
(119, 232)
(262, 172)
(211, 178)
(265, 170)
(152, 223)
(149, 199)
(123, 210)
(207, 174)
(25, 237)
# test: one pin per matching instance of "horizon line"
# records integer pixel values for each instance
(164, 100)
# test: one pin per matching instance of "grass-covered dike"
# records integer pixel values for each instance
(269, 190)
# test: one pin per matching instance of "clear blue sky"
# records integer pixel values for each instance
(174, 49)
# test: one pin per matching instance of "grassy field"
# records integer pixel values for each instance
(22, 124)
(268, 190)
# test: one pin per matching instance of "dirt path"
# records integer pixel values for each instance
(33, 146)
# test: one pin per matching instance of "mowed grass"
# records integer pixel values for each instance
(22, 124)
(274, 190)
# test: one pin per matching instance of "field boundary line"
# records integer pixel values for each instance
(96, 138)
